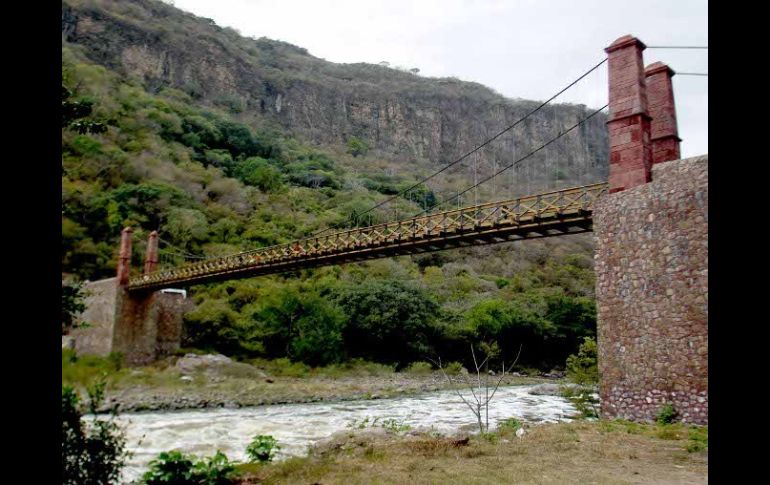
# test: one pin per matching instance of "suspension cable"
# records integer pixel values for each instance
(474, 150)
(181, 252)
(561, 134)
(678, 47)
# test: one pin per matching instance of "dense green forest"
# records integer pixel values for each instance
(213, 182)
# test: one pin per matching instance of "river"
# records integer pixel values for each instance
(295, 426)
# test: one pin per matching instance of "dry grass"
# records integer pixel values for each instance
(579, 452)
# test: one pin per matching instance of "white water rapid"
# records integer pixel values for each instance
(295, 426)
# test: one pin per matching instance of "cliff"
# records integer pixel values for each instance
(417, 122)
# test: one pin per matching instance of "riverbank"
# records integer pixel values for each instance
(577, 452)
(200, 382)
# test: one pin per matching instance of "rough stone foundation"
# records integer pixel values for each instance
(652, 294)
(96, 338)
(141, 327)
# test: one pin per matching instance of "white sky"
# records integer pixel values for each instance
(520, 48)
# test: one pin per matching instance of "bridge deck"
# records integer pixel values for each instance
(553, 213)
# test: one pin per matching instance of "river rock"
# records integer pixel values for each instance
(191, 362)
(545, 390)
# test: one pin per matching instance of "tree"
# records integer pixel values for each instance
(583, 368)
(357, 147)
(507, 321)
(72, 304)
(258, 172)
(390, 321)
(482, 394)
(73, 113)
(93, 453)
(303, 326)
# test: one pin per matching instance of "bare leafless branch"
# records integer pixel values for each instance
(503, 374)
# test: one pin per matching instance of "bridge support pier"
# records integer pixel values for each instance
(142, 326)
(651, 235)
(148, 325)
(651, 246)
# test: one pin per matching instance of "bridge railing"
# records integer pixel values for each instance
(507, 213)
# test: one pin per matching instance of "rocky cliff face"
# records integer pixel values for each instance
(419, 122)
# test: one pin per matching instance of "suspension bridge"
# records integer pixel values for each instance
(563, 210)
(650, 215)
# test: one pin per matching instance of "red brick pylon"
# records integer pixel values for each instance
(660, 96)
(151, 255)
(124, 258)
(629, 121)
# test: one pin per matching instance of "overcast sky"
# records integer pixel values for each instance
(520, 48)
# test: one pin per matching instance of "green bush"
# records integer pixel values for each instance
(356, 367)
(453, 368)
(357, 147)
(282, 367)
(512, 424)
(698, 439)
(72, 304)
(667, 414)
(92, 452)
(262, 448)
(395, 425)
(583, 400)
(583, 367)
(177, 468)
(419, 368)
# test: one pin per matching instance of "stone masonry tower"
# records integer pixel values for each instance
(651, 235)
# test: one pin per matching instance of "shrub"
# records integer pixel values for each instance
(282, 367)
(583, 368)
(175, 467)
(92, 452)
(584, 401)
(666, 415)
(262, 448)
(419, 368)
(699, 439)
(357, 146)
(512, 424)
(170, 467)
(357, 367)
(453, 368)
(395, 425)
(72, 304)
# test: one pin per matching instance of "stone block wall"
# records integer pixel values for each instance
(652, 294)
(100, 316)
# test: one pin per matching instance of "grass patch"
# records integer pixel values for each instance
(556, 451)
(281, 367)
(694, 438)
(354, 368)
(82, 371)
(698, 439)
(419, 368)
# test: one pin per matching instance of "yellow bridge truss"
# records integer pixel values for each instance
(565, 211)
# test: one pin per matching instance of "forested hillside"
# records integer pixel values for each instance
(223, 143)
